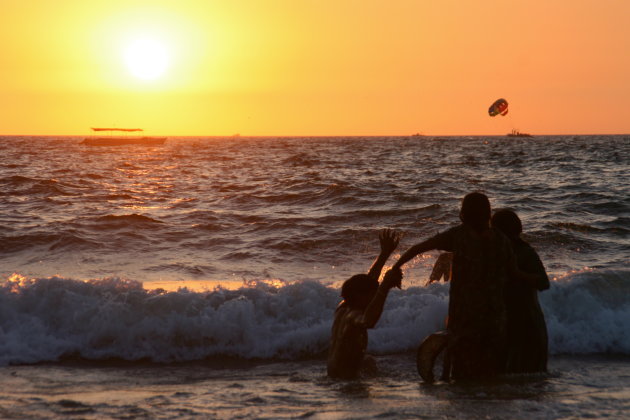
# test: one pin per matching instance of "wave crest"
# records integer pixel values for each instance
(48, 319)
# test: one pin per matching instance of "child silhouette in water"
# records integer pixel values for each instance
(361, 308)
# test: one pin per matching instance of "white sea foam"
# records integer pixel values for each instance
(589, 312)
(47, 319)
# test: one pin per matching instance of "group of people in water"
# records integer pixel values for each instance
(495, 324)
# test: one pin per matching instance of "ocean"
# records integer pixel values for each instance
(198, 279)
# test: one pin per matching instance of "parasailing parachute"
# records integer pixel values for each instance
(500, 106)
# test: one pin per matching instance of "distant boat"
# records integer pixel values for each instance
(122, 140)
(516, 133)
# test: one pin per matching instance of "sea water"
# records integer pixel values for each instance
(199, 278)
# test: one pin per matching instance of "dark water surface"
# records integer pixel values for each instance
(297, 208)
(576, 387)
(89, 235)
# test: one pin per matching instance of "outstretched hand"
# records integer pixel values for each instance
(389, 240)
(393, 278)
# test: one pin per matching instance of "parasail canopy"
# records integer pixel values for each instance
(500, 106)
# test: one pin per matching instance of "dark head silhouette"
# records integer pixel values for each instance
(358, 286)
(507, 222)
(475, 211)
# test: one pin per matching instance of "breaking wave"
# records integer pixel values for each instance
(49, 319)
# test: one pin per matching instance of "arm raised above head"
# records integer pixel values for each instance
(389, 240)
(375, 308)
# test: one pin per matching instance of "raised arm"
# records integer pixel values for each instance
(417, 249)
(389, 241)
(375, 308)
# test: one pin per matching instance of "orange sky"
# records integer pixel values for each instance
(317, 67)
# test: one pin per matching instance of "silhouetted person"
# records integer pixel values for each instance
(361, 308)
(526, 328)
(482, 258)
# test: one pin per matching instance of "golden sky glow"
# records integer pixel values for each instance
(315, 67)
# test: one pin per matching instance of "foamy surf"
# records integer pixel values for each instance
(49, 319)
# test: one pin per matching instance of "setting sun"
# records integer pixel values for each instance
(315, 67)
(146, 59)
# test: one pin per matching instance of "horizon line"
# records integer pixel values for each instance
(238, 135)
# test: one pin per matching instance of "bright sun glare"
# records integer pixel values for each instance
(147, 59)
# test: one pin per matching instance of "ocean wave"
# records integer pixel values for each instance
(48, 188)
(120, 221)
(589, 312)
(301, 159)
(25, 186)
(16, 180)
(93, 176)
(114, 197)
(577, 227)
(52, 242)
(561, 238)
(48, 319)
(195, 270)
(611, 228)
(67, 240)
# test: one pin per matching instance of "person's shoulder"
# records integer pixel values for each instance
(445, 240)
(342, 308)
(498, 234)
(526, 245)
(527, 250)
(520, 246)
(345, 310)
(349, 317)
(457, 228)
(501, 238)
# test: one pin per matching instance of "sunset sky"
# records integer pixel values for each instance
(314, 67)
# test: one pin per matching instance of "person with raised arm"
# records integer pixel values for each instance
(360, 309)
(482, 260)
